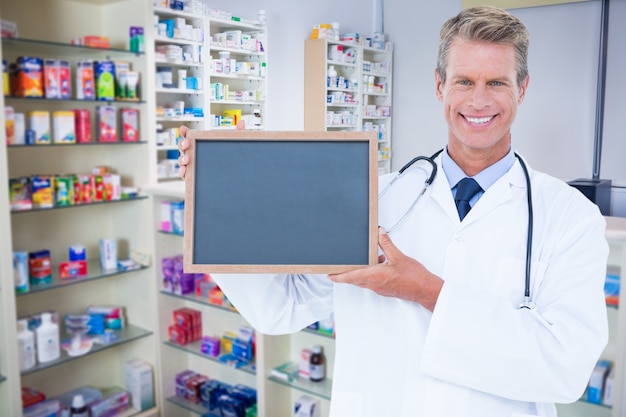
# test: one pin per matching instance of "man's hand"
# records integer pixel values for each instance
(183, 159)
(183, 145)
(396, 275)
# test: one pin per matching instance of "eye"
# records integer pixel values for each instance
(496, 83)
(464, 82)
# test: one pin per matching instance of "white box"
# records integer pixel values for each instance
(138, 379)
(306, 406)
(108, 254)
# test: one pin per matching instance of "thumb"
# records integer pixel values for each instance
(386, 245)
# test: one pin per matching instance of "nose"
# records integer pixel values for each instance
(480, 97)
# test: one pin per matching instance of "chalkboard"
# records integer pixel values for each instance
(280, 202)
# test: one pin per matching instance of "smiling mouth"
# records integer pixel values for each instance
(479, 120)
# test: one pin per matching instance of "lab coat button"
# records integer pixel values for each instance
(458, 239)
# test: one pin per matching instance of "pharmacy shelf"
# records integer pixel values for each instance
(275, 398)
(188, 405)
(76, 206)
(320, 389)
(199, 300)
(51, 48)
(128, 334)
(48, 146)
(366, 89)
(41, 100)
(95, 272)
(195, 349)
(58, 227)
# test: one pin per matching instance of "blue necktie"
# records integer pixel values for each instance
(465, 190)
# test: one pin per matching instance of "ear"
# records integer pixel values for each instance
(438, 86)
(522, 90)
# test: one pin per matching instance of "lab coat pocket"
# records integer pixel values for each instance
(347, 404)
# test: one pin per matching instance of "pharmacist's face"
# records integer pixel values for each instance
(480, 96)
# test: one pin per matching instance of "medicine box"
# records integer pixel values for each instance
(63, 126)
(106, 124)
(85, 80)
(139, 383)
(596, 382)
(51, 78)
(29, 77)
(39, 127)
(104, 74)
(306, 406)
(130, 124)
(9, 124)
(42, 191)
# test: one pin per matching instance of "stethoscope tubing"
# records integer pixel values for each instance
(527, 303)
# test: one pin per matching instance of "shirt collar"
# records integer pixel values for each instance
(485, 178)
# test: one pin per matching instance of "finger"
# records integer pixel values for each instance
(182, 170)
(183, 130)
(386, 245)
(357, 276)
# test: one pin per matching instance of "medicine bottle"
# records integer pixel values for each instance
(26, 342)
(79, 408)
(331, 79)
(317, 364)
(47, 335)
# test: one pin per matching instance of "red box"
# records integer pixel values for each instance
(178, 334)
(31, 396)
(72, 269)
(130, 125)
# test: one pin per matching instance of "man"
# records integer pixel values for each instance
(436, 328)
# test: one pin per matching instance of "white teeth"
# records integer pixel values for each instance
(479, 119)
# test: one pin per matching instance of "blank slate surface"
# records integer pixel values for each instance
(280, 202)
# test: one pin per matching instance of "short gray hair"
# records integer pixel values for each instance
(485, 24)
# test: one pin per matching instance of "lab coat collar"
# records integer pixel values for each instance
(497, 194)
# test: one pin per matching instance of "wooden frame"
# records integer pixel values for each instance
(516, 4)
(280, 202)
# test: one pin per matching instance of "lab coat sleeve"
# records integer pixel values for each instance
(278, 304)
(482, 341)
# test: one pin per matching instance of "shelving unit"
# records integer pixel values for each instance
(195, 65)
(616, 348)
(275, 397)
(241, 87)
(358, 98)
(48, 34)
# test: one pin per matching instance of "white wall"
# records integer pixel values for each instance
(555, 125)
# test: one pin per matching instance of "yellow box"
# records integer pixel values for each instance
(235, 114)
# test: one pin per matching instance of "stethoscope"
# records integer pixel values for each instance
(527, 303)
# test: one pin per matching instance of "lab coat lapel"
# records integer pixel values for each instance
(497, 194)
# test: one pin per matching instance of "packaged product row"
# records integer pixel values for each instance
(33, 270)
(59, 190)
(236, 400)
(51, 78)
(42, 127)
(137, 394)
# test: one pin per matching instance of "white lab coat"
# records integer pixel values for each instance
(477, 354)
